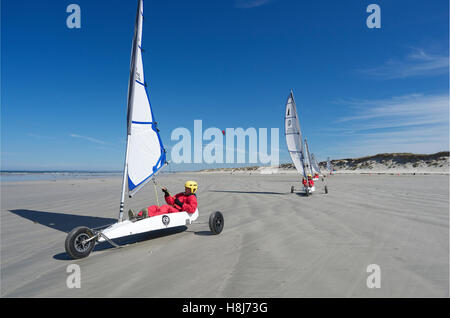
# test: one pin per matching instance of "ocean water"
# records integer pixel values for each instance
(15, 176)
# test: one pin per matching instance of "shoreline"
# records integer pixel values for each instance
(70, 178)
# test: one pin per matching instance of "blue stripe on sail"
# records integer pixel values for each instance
(142, 122)
(140, 83)
(131, 185)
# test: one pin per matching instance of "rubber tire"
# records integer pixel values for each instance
(307, 193)
(292, 189)
(70, 242)
(326, 189)
(216, 222)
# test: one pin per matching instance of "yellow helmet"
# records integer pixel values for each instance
(191, 185)
(309, 175)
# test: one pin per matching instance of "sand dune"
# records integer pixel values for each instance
(387, 163)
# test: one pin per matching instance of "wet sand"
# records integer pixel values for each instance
(274, 244)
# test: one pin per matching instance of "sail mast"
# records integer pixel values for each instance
(124, 183)
(131, 85)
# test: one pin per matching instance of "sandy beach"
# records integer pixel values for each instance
(274, 244)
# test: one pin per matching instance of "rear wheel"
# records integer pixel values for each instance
(216, 222)
(76, 245)
(292, 189)
(326, 189)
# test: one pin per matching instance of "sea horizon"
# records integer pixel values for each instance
(40, 175)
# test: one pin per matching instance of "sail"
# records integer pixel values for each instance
(145, 151)
(307, 161)
(314, 164)
(329, 166)
(293, 134)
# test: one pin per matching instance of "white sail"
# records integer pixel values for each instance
(329, 166)
(307, 160)
(314, 164)
(145, 152)
(293, 134)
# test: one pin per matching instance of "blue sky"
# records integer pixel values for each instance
(230, 63)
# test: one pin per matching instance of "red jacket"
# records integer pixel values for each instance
(188, 202)
(305, 183)
(311, 183)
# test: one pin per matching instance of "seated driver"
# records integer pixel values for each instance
(310, 181)
(183, 201)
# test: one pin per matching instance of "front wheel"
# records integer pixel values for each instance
(292, 189)
(326, 189)
(216, 222)
(76, 245)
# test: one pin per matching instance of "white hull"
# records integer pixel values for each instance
(311, 189)
(158, 222)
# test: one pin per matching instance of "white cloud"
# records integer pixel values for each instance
(411, 123)
(97, 141)
(247, 4)
(398, 111)
(416, 63)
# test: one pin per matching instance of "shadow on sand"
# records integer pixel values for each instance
(301, 193)
(61, 221)
(66, 222)
(202, 233)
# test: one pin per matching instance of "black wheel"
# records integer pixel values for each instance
(326, 189)
(75, 244)
(216, 222)
(292, 189)
(307, 192)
